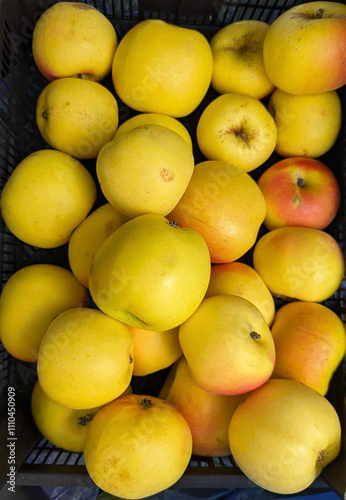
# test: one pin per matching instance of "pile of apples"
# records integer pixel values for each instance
(236, 386)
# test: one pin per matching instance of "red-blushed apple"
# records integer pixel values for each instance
(304, 50)
(299, 192)
(228, 346)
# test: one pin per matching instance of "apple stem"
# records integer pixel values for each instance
(85, 419)
(255, 336)
(173, 224)
(319, 13)
(146, 403)
(300, 182)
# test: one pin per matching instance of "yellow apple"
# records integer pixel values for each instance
(74, 39)
(47, 196)
(310, 344)
(307, 125)
(89, 236)
(237, 129)
(64, 427)
(238, 59)
(145, 171)
(153, 350)
(29, 302)
(154, 119)
(207, 414)
(305, 49)
(162, 68)
(85, 359)
(137, 446)
(150, 273)
(228, 346)
(299, 263)
(239, 279)
(225, 206)
(77, 116)
(283, 434)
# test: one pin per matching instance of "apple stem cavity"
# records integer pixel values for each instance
(85, 419)
(173, 224)
(300, 182)
(146, 403)
(255, 335)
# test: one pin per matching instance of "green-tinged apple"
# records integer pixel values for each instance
(283, 434)
(150, 273)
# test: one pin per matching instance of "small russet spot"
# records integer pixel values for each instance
(166, 175)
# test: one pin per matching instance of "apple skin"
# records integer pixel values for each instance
(299, 263)
(228, 346)
(305, 48)
(299, 192)
(307, 125)
(73, 39)
(237, 129)
(283, 434)
(309, 342)
(238, 59)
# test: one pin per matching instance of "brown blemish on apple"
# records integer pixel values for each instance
(296, 200)
(145, 403)
(304, 15)
(166, 175)
(255, 335)
(240, 133)
(85, 419)
(82, 6)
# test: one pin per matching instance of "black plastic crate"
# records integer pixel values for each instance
(37, 460)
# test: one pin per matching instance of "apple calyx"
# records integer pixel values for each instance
(255, 335)
(131, 359)
(319, 13)
(85, 419)
(243, 49)
(45, 114)
(321, 457)
(145, 403)
(173, 224)
(300, 182)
